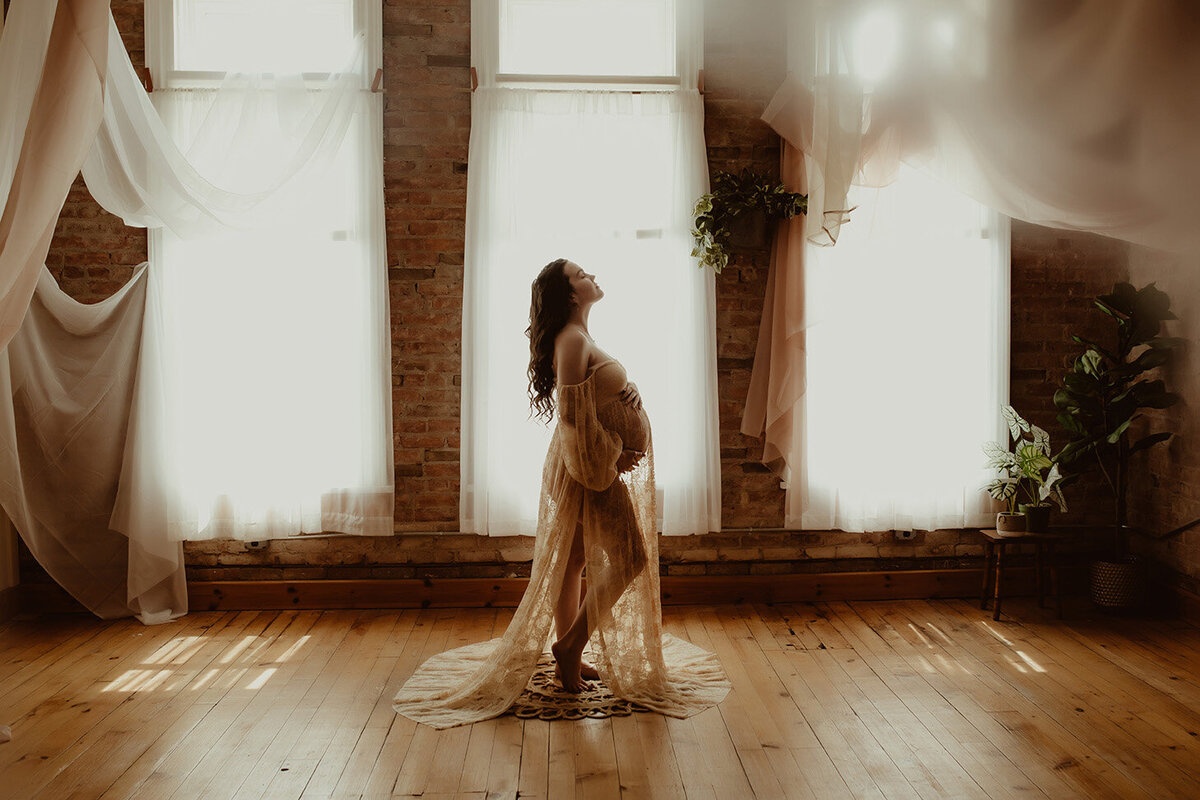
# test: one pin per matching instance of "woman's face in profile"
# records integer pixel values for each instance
(584, 289)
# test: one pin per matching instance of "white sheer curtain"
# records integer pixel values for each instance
(263, 405)
(608, 180)
(137, 170)
(907, 362)
(94, 454)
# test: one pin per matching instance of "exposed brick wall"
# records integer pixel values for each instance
(427, 127)
(427, 123)
(744, 62)
(1164, 491)
(1055, 277)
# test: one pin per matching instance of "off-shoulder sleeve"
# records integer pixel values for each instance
(590, 450)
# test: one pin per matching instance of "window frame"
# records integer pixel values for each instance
(487, 15)
(160, 47)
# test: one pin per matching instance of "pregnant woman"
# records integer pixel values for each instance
(597, 517)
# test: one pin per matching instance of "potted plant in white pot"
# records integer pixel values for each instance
(1028, 476)
(1102, 396)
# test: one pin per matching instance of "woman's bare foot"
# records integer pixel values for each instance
(567, 666)
(587, 672)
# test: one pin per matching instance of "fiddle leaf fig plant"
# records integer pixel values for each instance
(1027, 473)
(730, 196)
(1106, 390)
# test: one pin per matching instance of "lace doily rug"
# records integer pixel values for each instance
(544, 698)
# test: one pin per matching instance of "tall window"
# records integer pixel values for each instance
(595, 153)
(273, 415)
(907, 362)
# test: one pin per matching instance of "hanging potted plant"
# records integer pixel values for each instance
(1102, 396)
(718, 213)
(1028, 477)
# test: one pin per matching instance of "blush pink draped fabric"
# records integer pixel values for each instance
(777, 381)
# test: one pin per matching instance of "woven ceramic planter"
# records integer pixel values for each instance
(1116, 585)
(1010, 523)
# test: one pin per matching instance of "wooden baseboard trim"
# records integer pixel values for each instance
(676, 590)
(507, 592)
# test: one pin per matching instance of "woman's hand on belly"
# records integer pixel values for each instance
(631, 395)
(628, 460)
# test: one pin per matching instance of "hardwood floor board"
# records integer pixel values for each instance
(341, 699)
(264, 689)
(413, 770)
(247, 701)
(1112, 740)
(870, 670)
(51, 705)
(148, 716)
(976, 645)
(792, 669)
(31, 646)
(385, 768)
(693, 764)
(909, 698)
(130, 678)
(560, 772)
(504, 764)
(266, 693)
(596, 775)
(161, 727)
(534, 775)
(1104, 691)
(970, 700)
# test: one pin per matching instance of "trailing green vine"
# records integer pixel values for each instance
(730, 196)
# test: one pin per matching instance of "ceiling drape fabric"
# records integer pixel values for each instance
(1075, 115)
(136, 170)
(71, 374)
(49, 134)
(66, 384)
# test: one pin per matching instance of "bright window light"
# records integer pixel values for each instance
(876, 45)
(587, 37)
(263, 35)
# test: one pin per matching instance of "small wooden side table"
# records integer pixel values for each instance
(996, 543)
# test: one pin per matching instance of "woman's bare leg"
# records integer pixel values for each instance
(570, 598)
(568, 650)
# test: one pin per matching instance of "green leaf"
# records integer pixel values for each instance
(1032, 461)
(1041, 439)
(1002, 488)
(1116, 435)
(1122, 300)
(1091, 363)
(1088, 343)
(1016, 425)
(1152, 303)
(1168, 342)
(1081, 383)
(1149, 441)
(998, 456)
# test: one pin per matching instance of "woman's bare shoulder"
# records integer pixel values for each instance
(572, 349)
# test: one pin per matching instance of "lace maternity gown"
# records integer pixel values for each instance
(580, 485)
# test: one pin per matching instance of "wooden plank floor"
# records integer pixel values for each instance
(901, 699)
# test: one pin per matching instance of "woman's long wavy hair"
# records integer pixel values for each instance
(549, 310)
